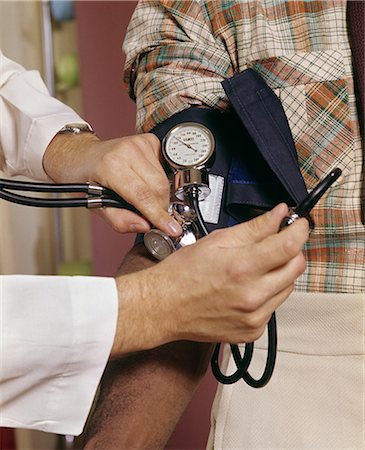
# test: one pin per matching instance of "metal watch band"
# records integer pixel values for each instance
(76, 128)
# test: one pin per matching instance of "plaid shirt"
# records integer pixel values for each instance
(178, 52)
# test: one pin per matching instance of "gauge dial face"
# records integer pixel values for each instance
(188, 145)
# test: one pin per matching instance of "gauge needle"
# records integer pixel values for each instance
(187, 145)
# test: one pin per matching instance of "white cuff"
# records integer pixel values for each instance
(56, 336)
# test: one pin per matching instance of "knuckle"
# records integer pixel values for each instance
(142, 193)
(254, 335)
(162, 187)
(253, 227)
(114, 164)
(291, 247)
(152, 139)
(110, 159)
(252, 300)
(301, 264)
(221, 237)
(290, 289)
(255, 323)
(286, 292)
(119, 228)
(236, 275)
(130, 144)
(216, 234)
(147, 140)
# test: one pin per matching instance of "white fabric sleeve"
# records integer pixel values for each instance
(29, 119)
(56, 336)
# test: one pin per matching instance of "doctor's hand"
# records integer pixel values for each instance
(129, 166)
(224, 288)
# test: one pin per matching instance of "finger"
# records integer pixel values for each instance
(152, 206)
(152, 143)
(154, 177)
(126, 174)
(266, 224)
(145, 186)
(256, 323)
(251, 326)
(147, 146)
(256, 229)
(124, 221)
(277, 300)
(258, 290)
(133, 159)
(278, 249)
(282, 278)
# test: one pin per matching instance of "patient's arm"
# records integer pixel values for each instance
(143, 395)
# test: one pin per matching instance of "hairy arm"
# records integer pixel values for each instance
(143, 395)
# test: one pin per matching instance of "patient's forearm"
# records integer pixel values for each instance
(143, 395)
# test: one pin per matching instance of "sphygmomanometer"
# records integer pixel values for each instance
(220, 178)
(224, 168)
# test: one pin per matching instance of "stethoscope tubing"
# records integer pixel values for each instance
(103, 197)
(242, 362)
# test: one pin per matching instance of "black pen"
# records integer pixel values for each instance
(305, 207)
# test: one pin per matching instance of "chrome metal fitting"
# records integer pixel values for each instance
(94, 202)
(94, 189)
(189, 178)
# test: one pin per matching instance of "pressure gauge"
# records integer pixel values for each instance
(187, 148)
(188, 145)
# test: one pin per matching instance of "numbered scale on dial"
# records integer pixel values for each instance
(189, 145)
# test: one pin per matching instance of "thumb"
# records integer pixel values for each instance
(261, 227)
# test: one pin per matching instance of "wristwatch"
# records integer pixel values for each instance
(76, 128)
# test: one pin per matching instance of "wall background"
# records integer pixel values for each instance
(28, 235)
(101, 26)
(30, 250)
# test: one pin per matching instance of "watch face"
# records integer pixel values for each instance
(188, 145)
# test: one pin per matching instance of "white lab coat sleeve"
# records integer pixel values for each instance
(29, 119)
(56, 336)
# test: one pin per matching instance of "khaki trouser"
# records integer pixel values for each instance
(315, 398)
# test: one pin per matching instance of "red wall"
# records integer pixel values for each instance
(101, 29)
(7, 439)
(106, 105)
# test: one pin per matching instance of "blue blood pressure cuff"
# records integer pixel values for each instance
(246, 181)
(255, 165)
(255, 157)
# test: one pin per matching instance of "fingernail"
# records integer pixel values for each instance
(174, 227)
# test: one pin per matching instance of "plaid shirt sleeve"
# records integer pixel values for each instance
(173, 61)
(178, 52)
